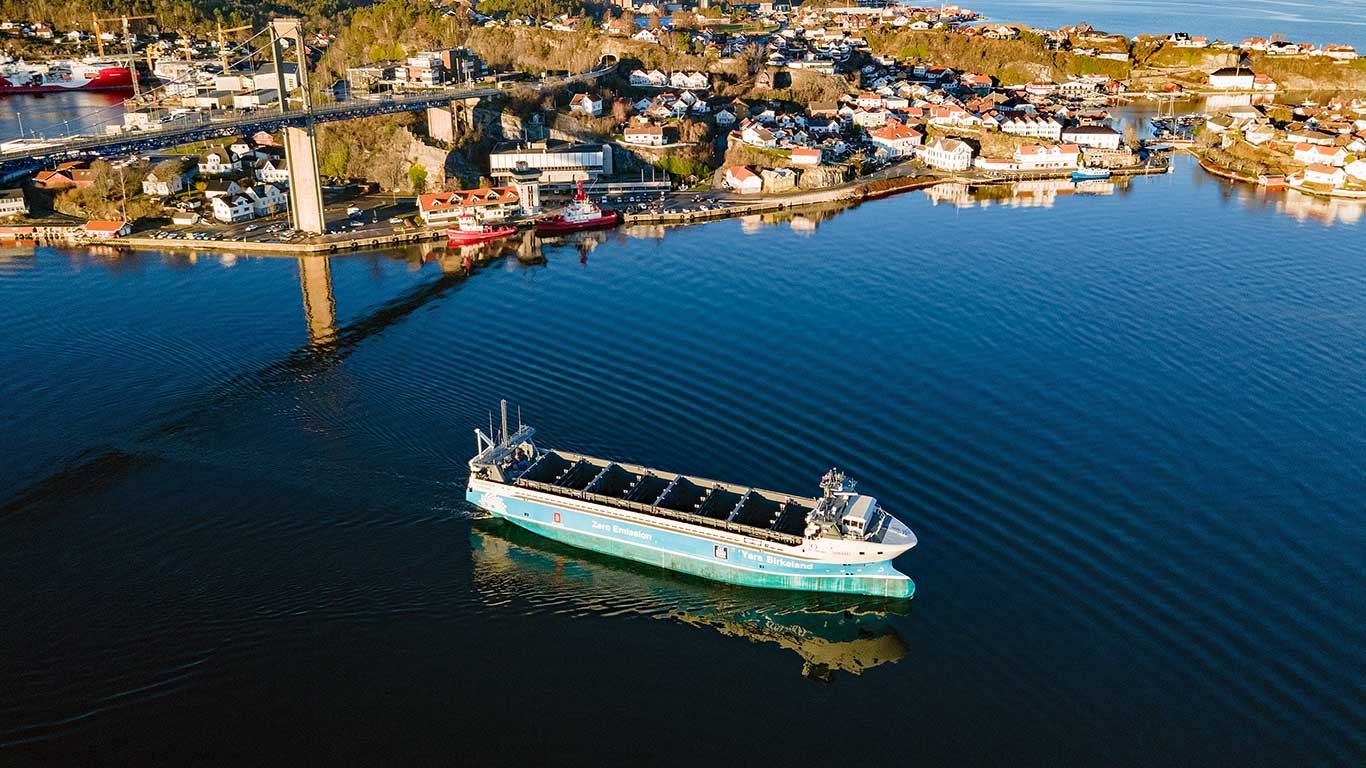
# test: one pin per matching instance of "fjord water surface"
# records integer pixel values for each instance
(1127, 429)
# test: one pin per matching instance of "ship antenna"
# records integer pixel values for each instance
(503, 406)
(519, 418)
(490, 426)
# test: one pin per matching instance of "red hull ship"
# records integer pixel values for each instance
(579, 215)
(59, 76)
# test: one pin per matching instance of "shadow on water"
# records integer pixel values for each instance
(328, 347)
(830, 633)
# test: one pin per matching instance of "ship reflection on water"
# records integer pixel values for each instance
(830, 633)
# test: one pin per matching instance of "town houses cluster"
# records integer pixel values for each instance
(1323, 145)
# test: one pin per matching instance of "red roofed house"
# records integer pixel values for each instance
(486, 203)
(1312, 154)
(806, 156)
(105, 229)
(896, 139)
(73, 173)
(1037, 157)
(743, 180)
(1325, 175)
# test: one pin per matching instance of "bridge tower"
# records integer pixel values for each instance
(301, 148)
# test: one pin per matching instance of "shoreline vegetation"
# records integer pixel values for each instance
(906, 83)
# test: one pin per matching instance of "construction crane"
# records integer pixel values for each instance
(223, 43)
(127, 36)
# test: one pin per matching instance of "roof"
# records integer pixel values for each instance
(740, 172)
(806, 152)
(441, 201)
(894, 131)
(1231, 72)
(100, 225)
(1094, 130)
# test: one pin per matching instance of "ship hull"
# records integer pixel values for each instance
(108, 79)
(696, 553)
(560, 226)
(460, 237)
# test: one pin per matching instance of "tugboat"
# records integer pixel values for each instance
(579, 215)
(468, 231)
(1090, 172)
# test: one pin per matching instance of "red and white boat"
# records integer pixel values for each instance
(468, 231)
(64, 75)
(579, 215)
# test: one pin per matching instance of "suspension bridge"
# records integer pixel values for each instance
(100, 132)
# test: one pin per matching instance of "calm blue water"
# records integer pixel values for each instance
(1128, 429)
(1320, 21)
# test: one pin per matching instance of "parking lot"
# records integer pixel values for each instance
(372, 215)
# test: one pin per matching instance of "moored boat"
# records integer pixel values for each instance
(468, 230)
(840, 541)
(581, 214)
(1089, 172)
(64, 75)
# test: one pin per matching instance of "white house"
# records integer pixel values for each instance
(175, 180)
(948, 155)
(271, 171)
(1312, 154)
(1232, 79)
(1032, 126)
(1356, 170)
(485, 203)
(221, 188)
(724, 117)
(743, 180)
(586, 104)
(12, 203)
(232, 208)
(758, 136)
(644, 135)
(1035, 157)
(653, 78)
(870, 118)
(806, 156)
(1326, 175)
(266, 199)
(219, 161)
(690, 80)
(646, 36)
(895, 139)
(1098, 136)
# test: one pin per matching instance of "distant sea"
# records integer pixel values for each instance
(1315, 21)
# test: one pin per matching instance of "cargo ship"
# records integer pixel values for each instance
(581, 214)
(840, 541)
(64, 75)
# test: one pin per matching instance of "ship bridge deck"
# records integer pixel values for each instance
(767, 515)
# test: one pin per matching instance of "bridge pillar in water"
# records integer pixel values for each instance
(320, 308)
(301, 149)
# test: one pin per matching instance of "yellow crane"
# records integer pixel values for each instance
(223, 43)
(127, 36)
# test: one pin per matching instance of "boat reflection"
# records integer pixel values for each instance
(830, 633)
(1032, 193)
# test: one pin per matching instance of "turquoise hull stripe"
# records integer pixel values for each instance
(694, 554)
